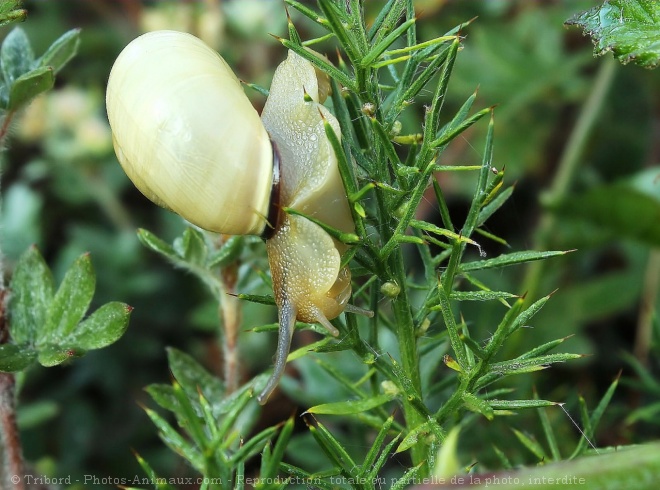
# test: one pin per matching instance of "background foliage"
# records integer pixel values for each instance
(64, 191)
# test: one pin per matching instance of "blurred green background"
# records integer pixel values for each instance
(63, 190)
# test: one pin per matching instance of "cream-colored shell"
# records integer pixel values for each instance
(186, 134)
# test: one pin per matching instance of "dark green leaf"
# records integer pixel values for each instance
(29, 85)
(61, 51)
(103, 327)
(16, 55)
(478, 405)
(253, 445)
(70, 302)
(371, 464)
(520, 404)
(531, 444)
(175, 441)
(32, 292)
(192, 376)
(333, 449)
(408, 476)
(15, 358)
(191, 247)
(479, 295)
(270, 467)
(535, 363)
(415, 435)
(628, 28)
(159, 483)
(154, 243)
(52, 355)
(163, 395)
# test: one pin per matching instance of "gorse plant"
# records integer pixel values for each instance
(442, 367)
(385, 402)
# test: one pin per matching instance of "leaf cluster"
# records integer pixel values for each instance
(47, 325)
(23, 75)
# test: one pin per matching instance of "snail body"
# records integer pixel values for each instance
(189, 139)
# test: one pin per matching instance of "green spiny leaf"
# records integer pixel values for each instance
(333, 449)
(272, 466)
(176, 442)
(506, 260)
(478, 405)
(193, 377)
(531, 444)
(163, 395)
(350, 406)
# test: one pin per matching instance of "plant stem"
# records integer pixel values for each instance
(11, 470)
(568, 165)
(4, 129)
(405, 331)
(230, 311)
(11, 454)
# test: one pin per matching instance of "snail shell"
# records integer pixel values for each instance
(185, 133)
(189, 139)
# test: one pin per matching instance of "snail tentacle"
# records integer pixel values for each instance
(287, 318)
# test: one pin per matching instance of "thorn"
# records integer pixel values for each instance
(280, 39)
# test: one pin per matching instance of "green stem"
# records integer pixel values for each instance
(568, 166)
(405, 331)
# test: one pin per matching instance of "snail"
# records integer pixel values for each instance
(188, 137)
